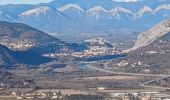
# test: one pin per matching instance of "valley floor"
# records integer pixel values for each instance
(92, 80)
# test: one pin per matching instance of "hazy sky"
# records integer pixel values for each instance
(23, 1)
(2, 2)
(125, 0)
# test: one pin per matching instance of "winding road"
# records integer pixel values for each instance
(144, 84)
(124, 73)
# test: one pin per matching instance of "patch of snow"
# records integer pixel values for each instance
(36, 11)
(118, 10)
(143, 10)
(97, 9)
(70, 6)
(162, 7)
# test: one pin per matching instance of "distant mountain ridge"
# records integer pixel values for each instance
(81, 16)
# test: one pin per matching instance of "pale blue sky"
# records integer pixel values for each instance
(2, 2)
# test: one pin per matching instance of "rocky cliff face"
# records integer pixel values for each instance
(151, 51)
(153, 34)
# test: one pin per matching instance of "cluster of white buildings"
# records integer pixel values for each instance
(96, 52)
(17, 45)
(38, 96)
(99, 41)
(48, 94)
(141, 96)
(87, 53)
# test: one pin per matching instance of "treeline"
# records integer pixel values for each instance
(84, 97)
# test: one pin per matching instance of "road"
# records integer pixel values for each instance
(154, 80)
(124, 73)
(131, 91)
(135, 74)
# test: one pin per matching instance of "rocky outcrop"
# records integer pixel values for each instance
(153, 34)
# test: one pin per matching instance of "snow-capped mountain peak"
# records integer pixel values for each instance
(36, 11)
(143, 10)
(88, 16)
(97, 12)
(70, 6)
(97, 9)
(163, 7)
(118, 9)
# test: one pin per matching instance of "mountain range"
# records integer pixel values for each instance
(63, 17)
